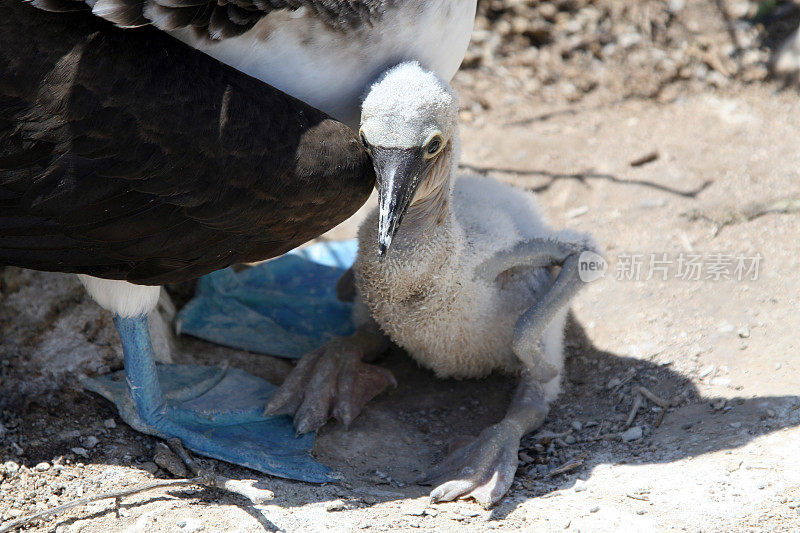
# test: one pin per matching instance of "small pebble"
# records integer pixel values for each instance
(91, 441)
(580, 485)
(632, 434)
(570, 439)
(42, 467)
(150, 467)
(706, 371)
(80, 451)
(744, 332)
(594, 509)
(109, 423)
(335, 506)
(578, 211)
(576, 425)
(11, 467)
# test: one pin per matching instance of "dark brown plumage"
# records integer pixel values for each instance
(128, 155)
(221, 19)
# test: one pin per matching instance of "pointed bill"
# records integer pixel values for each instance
(399, 172)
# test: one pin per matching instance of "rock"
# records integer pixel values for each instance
(786, 62)
(149, 467)
(723, 382)
(744, 332)
(706, 371)
(628, 40)
(10, 467)
(42, 467)
(335, 506)
(580, 485)
(91, 441)
(576, 425)
(570, 439)
(578, 211)
(83, 452)
(110, 423)
(594, 509)
(632, 434)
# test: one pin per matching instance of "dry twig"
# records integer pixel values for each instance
(571, 465)
(637, 403)
(242, 487)
(664, 404)
(14, 524)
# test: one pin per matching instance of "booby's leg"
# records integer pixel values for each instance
(216, 413)
(484, 468)
(334, 381)
(531, 325)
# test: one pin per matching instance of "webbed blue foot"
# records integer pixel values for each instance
(215, 412)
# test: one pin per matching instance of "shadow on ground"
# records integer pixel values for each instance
(408, 429)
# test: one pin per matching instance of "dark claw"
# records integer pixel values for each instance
(483, 469)
(331, 381)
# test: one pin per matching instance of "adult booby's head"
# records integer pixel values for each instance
(409, 124)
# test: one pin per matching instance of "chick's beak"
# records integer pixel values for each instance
(399, 172)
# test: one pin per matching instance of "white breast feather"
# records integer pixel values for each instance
(330, 69)
(429, 302)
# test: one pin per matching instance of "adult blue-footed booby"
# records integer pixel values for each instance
(324, 52)
(474, 280)
(133, 160)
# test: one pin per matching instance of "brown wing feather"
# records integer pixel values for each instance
(222, 19)
(128, 155)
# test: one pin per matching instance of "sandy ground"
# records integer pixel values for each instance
(725, 179)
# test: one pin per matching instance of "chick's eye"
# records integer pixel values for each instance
(434, 145)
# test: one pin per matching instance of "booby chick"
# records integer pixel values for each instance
(473, 281)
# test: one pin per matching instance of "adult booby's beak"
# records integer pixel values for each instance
(398, 171)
